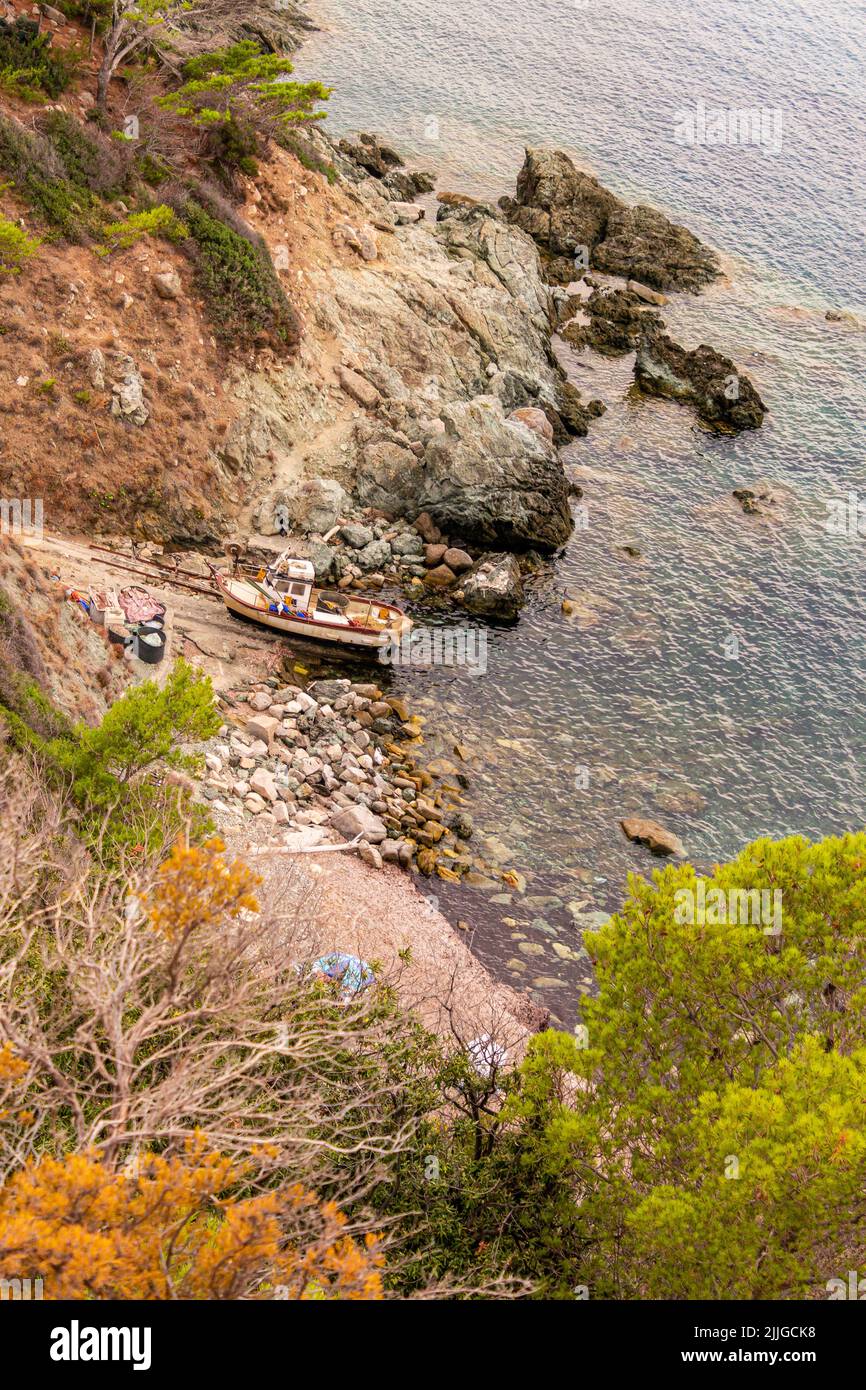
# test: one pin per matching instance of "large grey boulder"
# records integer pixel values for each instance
(312, 505)
(486, 478)
(493, 587)
(359, 820)
(356, 536)
(375, 555)
(322, 558)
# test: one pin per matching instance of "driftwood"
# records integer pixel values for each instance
(302, 849)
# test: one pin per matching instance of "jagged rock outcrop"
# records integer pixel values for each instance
(382, 162)
(484, 477)
(461, 316)
(570, 214)
(610, 321)
(644, 245)
(722, 396)
(560, 207)
(475, 231)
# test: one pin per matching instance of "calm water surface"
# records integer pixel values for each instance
(635, 704)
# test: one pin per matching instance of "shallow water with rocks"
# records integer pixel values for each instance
(714, 679)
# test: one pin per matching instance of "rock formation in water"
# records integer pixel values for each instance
(571, 215)
(722, 396)
(610, 321)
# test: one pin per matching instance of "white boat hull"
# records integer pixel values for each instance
(299, 627)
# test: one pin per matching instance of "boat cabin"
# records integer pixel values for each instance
(290, 582)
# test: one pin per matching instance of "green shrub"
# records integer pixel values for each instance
(23, 703)
(151, 169)
(87, 11)
(28, 65)
(38, 175)
(231, 146)
(237, 280)
(160, 221)
(218, 85)
(110, 772)
(113, 774)
(305, 156)
(16, 247)
(89, 160)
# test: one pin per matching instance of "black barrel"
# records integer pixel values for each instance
(150, 647)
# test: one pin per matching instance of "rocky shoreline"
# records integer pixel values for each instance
(448, 460)
(341, 757)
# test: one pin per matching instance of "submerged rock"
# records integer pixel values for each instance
(722, 396)
(617, 321)
(755, 498)
(654, 836)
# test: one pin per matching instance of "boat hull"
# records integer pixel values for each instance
(299, 627)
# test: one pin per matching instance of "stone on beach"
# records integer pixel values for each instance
(457, 560)
(358, 820)
(263, 783)
(263, 727)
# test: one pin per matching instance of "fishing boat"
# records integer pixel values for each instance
(283, 597)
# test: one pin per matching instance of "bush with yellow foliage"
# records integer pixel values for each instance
(183, 1113)
(178, 1228)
